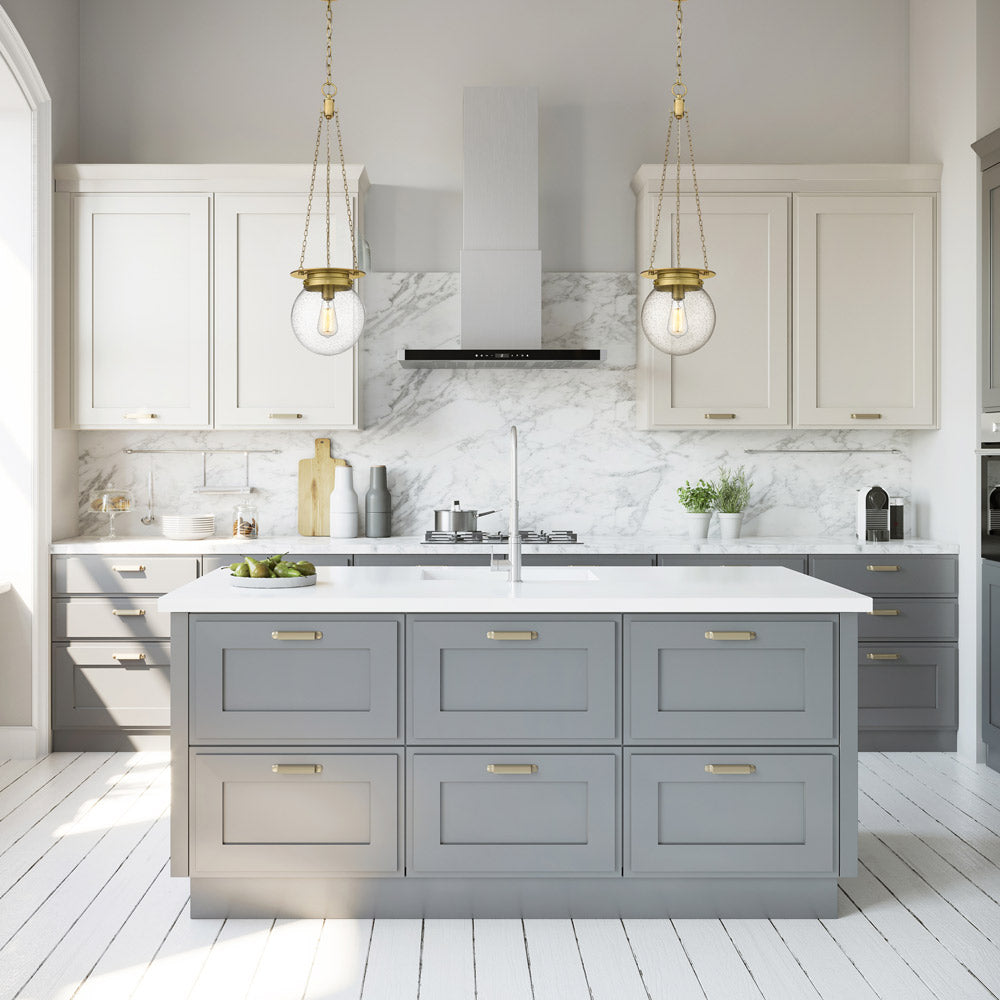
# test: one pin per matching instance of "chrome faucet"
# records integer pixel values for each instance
(513, 560)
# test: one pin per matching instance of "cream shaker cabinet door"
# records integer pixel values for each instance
(140, 310)
(991, 288)
(740, 377)
(864, 311)
(263, 376)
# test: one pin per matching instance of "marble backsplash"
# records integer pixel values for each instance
(443, 434)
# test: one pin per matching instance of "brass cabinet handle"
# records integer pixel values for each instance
(122, 613)
(284, 416)
(731, 635)
(512, 768)
(137, 568)
(882, 569)
(884, 612)
(866, 416)
(731, 768)
(883, 656)
(296, 635)
(129, 657)
(139, 416)
(522, 636)
(297, 768)
(720, 416)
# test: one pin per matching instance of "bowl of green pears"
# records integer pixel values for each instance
(273, 573)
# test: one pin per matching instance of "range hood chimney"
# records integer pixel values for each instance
(501, 263)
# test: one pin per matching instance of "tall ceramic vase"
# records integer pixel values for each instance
(343, 504)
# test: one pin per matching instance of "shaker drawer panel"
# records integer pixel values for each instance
(772, 813)
(490, 680)
(502, 813)
(908, 687)
(108, 618)
(754, 680)
(881, 574)
(295, 813)
(103, 686)
(319, 679)
(908, 620)
(121, 574)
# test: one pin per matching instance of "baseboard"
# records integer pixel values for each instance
(18, 742)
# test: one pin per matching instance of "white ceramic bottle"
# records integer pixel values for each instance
(343, 504)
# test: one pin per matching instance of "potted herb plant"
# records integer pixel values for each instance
(697, 500)
(732, 493)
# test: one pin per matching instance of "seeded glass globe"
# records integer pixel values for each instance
(678, 326)
(327, 326)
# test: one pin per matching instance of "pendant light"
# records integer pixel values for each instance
(327, 315)
(678, 316)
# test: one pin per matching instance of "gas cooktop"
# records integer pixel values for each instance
(499, 537)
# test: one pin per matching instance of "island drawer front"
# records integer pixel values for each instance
(252, 682)
(922, 619)
(104, 686)
(796, 562)
(776, 682)
(108, 618)
(779, 818)
(560, 818)
(121, 574)
(917, 576)
(536, 680)
(917, 688)
(249, 819)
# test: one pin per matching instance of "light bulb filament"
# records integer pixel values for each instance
(678, 318)
(327, 324)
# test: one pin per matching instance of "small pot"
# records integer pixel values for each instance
(730, 526)
(455, 519)
(698, 524)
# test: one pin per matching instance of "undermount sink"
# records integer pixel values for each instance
(530, 574)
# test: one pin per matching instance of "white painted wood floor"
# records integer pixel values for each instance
(88, 911)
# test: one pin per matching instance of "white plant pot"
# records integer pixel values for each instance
(698, 524)
(730, 526)
(343, 504)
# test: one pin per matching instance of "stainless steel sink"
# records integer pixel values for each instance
(529, 574)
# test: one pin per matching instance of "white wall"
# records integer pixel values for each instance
(943, 102)
(227, 81)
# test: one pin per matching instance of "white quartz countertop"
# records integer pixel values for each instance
(414, 545)
(440, 590)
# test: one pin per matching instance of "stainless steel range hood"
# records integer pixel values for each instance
(501, 263)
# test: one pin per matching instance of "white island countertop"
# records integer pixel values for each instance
(560, 590)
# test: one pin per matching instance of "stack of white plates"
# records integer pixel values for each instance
(187, 527)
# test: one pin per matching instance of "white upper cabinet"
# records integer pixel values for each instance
(140, 339)
(263, 376)
(740, 377)
(864, 311)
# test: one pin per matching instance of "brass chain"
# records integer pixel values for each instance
(697, 196)
(678, 89)
(312, 186)
(677, 203)
(347, 196)
(328, 193)
(663, 183)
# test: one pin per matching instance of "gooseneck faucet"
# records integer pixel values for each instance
(515, 528)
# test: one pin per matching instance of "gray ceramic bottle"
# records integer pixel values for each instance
(378, 505)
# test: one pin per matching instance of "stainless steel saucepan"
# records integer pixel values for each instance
(455, 519)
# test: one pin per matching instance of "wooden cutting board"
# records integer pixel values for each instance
(315, 485)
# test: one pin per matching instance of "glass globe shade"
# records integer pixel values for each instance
(327, 326)
(678, 326)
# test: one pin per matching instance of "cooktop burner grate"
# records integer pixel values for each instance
(499, 537)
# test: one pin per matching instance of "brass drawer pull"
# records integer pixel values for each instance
(866, 416)
(122, 613)
(297, 768)
(137, 568)
(512, 768)
(884, 612)
(882, 569)
(139, 416)
(731, 768)
(883, 656)
(284, 416)
(129, 657)
(720, 416)
(296, 635)
(521, 636)
(731, 635)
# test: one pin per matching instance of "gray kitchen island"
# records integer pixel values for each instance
(437, 741)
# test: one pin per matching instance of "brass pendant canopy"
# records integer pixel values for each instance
(675, 320)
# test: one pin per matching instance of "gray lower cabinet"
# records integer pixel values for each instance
(907, 687)
(991, 661)
(304, 812)
(108, 618)
(796, 562)
(735, 680)
(502, 680)
(316, 679)
(881, 575)
(530, 813)
(94, 574)
(769, 812)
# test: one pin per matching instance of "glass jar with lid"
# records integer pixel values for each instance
(245, 520)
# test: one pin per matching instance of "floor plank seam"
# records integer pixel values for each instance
(798, 961)
(583, 964)
(642, 978)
